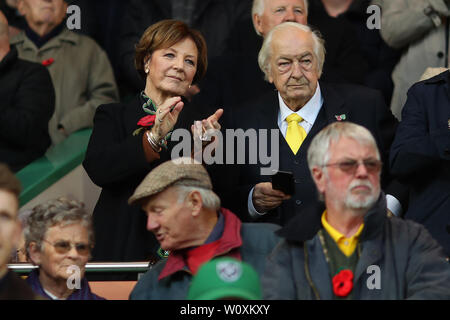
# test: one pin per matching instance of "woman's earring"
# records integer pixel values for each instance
(190, 86)
(146, 70)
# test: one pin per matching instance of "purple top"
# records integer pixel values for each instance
(79, 294)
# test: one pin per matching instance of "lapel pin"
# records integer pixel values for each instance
(341, 117)
(448, 123)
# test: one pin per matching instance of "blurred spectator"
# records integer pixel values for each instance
(59, 238)
(420, 28)
(420, 155)
(225, 278)
(80, 70)
(213, 18)
(27, 102)
(352, 249)
(185, 215)
(11, 286)
(379, 57)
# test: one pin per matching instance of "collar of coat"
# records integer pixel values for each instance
(305, 226)
(231, 239)
(65, 36)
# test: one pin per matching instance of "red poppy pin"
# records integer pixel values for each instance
(145, 123)
(343, 283)
(48, 62)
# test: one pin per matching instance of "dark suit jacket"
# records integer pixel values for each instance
(359, 104)
(420, 155)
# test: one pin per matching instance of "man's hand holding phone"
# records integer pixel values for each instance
(265, 198)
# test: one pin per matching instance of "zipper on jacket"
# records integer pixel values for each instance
(307, 273)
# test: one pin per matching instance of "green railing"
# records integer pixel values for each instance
(58, 161)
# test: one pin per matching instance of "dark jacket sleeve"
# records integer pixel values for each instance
(416, 149)
(25, 122)
(386, 127)
(113, 156)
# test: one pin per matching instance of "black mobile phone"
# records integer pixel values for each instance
(284, 181)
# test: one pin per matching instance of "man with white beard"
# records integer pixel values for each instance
(351, 248)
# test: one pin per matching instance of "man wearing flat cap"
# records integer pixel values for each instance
(187, 220)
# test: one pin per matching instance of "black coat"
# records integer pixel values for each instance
(115, 161)
(420, 155)
(359, 104)
(27, 102)
(380, 58)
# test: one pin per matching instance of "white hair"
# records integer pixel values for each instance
(209, 198)
(258, 9)
(318, 151)
(265, 53)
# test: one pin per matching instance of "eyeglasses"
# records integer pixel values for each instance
(350, 166)
(62, 247)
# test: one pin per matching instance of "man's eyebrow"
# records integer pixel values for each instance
(6, 213)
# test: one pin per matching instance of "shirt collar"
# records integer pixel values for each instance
(308, 112)
(40, 41)
(346, 245)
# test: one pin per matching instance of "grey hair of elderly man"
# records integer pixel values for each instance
(265, 54)
(259, 6)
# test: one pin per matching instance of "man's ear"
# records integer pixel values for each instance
(21, 7)
(319, 176)
(269, 76)
(34, 253)
(195, 202)
(257, 23)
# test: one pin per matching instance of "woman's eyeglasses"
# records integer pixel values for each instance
(62, 247)
(350, 166)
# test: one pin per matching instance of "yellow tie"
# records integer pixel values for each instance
(295, 133)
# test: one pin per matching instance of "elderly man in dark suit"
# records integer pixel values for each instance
(292, 58)
(420, 155)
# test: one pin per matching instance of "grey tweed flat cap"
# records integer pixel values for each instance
(182, 171)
